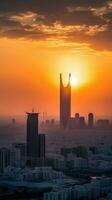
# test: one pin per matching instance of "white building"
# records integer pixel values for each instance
(34, 174)
(88, 191)
(77, 162)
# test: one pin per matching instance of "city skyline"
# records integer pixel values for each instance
(73, 82)
(38, 41)
(56, 99)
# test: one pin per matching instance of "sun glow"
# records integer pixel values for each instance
(74, 80)
(78, 66)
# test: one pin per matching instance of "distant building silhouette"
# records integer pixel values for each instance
(90, 120)
(35, 141)
(13, 121)
(19, 148)
(5, 158)
(65, 102)
(82, 122)
(47, 122)
(103, 123)
(71, 123)
(52, 122)
(41, 140)
(77, 117)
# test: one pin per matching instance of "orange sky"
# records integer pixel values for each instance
(29, 76)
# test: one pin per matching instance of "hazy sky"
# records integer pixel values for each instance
(41, 38)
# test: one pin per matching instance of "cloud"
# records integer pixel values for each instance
(58, 29)
(82, 21)
(24, 18)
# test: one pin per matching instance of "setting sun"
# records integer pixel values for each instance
(74, 80)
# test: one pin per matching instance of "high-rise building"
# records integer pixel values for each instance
(32, 135)
(35, 141)
(5, 158)
(13, 121)
(77, 117)
(82, 122)
(19, 149)
(41, 145)
(65, 102)
(90, 120)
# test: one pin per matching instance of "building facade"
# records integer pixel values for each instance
(65, 102)
(35, 141)
(5, 158)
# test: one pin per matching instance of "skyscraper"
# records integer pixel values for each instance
(35, 141)
(41, 140)
(90, 120)
(65, 102)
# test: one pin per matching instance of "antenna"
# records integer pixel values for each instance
(43, 116)
(69, 77)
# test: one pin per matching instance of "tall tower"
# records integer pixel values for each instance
(65, 102)
(90, 120)
(35, 141)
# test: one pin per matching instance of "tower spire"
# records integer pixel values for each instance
(69, 78)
